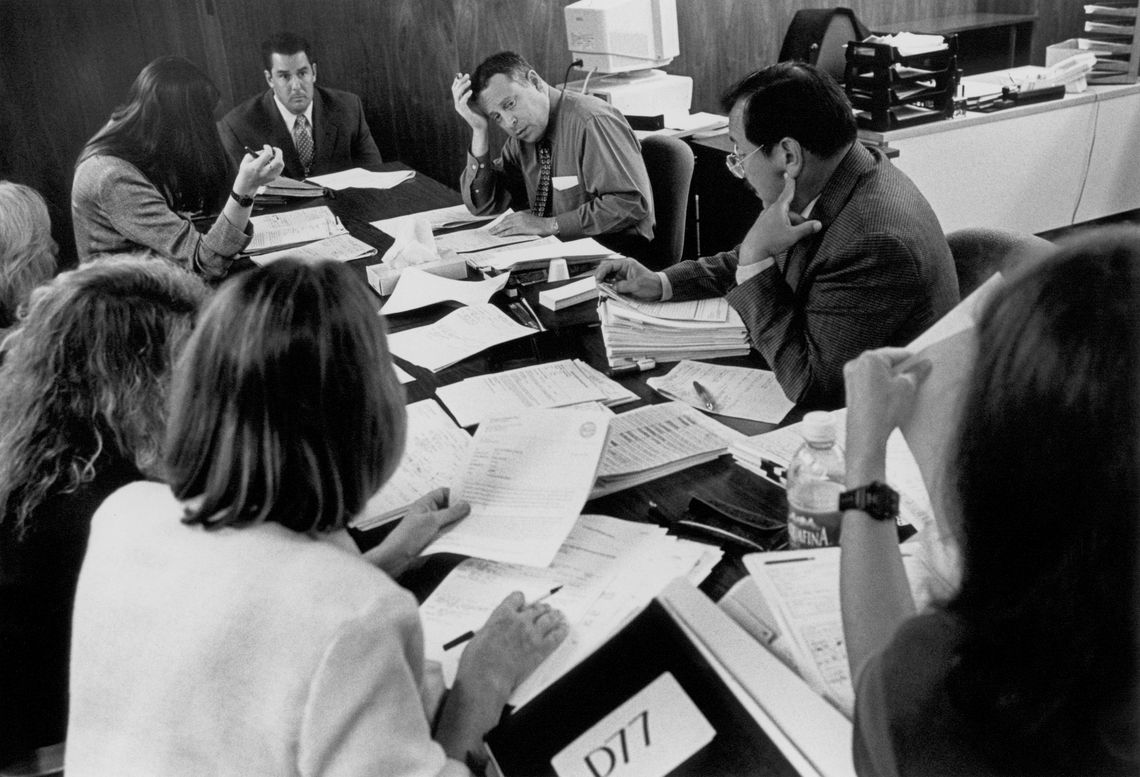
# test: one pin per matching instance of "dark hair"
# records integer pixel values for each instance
(285, 44)
(85, 375)
(505, 63)
(166, 129)
(1049, 490)
(794, 100)
(285, 406)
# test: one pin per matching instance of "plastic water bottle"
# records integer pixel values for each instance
(815, 481)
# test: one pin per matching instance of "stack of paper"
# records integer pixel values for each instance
(342, 248)
(553, 384)
(459, 334)
(359, 178)
(466, 241)
(630, 334)
(657, 440)
(292, 228)
(538, 254)
(433, 455)
(526, 479)
(287, 187)
(738, 392)
(608, 569)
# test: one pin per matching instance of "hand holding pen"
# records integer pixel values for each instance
(544, 609)
(258, 168)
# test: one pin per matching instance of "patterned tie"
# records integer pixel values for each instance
(542, 194)
(303, 140)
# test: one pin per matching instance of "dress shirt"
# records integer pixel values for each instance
(290, 118)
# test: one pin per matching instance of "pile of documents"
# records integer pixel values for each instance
(608, 569)
(340, 248)
(670, 331)
(458, 335)
(292, 228)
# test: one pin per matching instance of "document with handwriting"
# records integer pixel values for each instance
(341, 248)
(552, 384)
(466, 241)
(294, 227)
(459, 334)
(526, 479)
(738, 392)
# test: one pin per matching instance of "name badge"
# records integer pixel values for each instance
(563, 182)
(649, 735)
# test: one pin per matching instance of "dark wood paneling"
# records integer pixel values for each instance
(65, 63)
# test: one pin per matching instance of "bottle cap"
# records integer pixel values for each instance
(819, 426)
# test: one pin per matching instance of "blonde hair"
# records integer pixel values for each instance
(27, 251)
(85, 376)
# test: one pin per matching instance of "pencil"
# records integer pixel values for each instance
(467, 635)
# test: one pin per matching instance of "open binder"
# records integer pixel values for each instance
(763, 720)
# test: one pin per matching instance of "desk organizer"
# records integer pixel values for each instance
(890, 90)
(1111, 27)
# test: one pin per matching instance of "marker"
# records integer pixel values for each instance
(467, 635)
(705, 396)
(641, 365)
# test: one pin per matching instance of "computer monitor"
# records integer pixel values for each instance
(620, 36)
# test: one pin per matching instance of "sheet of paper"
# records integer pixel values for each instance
(433, 455)
(655, 435)
(440, 218)
(466, 241)
(341, 248)
(553, 384)
(706, 309)
(738, 392)
(418, 289)
(459, 334)
(526, 480)
(276, 230)
(402, 375)
(359, 178)
(961, 316)
(542, 250)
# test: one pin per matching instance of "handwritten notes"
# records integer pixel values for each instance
(456, 336)
(738, 392)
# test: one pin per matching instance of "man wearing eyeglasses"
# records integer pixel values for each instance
(847, 254)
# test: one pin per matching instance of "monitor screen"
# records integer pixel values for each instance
(618, 36)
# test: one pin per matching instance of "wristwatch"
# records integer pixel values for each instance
(244, 200)
(876, 499)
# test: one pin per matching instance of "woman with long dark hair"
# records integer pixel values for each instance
(158, 161)
(218, 627)
(1031, 667)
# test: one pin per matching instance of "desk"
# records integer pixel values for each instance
(1031, 168)
(985, 40)
(572, 333)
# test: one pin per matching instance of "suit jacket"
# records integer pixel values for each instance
(341, 138)
(878, 273)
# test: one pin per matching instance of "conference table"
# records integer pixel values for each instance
(570, 333)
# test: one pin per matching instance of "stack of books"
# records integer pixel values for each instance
(630, 332)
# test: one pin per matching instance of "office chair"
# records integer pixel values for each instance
(979, 252)
(669, 162)
(819, 37)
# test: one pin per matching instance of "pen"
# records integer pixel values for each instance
(533, 315)
(705, 396)
(251, 152)
(467, 635)
(641, 365)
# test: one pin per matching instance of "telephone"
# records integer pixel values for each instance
(1066, 71)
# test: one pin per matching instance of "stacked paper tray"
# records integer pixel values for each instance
(1111, 30)
(630, 334)
(891, 88)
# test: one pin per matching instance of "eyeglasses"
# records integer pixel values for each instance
(735, 162)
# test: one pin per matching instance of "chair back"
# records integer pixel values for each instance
(979, 252)
(819, 36)
(669, 162)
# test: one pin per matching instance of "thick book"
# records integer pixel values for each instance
(680, 690)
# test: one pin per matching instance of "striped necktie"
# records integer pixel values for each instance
(303, 140)
(542, 194)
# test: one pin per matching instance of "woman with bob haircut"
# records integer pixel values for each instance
(27, 251)
(83, 390)
(1031, 666)
(157, 161)
(245, 641)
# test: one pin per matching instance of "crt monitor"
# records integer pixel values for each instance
(620, 36)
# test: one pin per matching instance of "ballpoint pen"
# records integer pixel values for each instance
(467, 635)
(705, 396)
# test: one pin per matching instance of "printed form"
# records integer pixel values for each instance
(459, 334)
(526, 480)
(279, 230)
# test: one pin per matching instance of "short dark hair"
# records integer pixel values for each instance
(505, 63)
(794, 100)
(285, 406)
(286, 44)
(1046, 475)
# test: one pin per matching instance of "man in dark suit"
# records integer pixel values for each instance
(847, 254)
(318, 130)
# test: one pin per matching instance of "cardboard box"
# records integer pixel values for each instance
(383, 278)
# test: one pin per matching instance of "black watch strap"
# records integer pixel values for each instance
(876, 499)
(244, 200)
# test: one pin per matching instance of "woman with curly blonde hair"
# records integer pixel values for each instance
(83, 389)
(27, 250)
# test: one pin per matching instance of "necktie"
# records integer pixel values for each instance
(542, 194)
(303, 140)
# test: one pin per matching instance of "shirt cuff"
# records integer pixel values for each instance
(746, 271)
(666, 287)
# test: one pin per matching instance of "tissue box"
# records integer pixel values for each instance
(383, 278)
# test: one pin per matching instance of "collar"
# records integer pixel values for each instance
(854, 165)
(290, 117)
(552, 115)
(806, 212)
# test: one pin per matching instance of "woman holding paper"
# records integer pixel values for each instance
(244, 641)
(157, 161)
(1031, 667)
